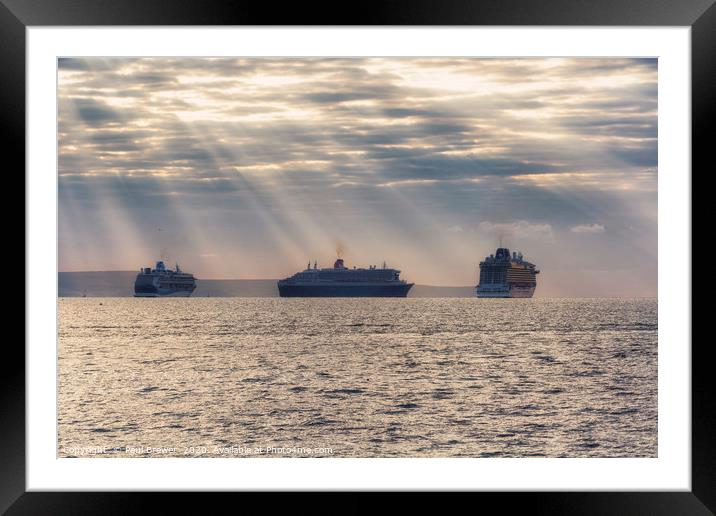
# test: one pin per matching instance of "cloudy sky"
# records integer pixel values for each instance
(248, 168)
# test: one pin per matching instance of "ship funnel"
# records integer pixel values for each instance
(339, 264)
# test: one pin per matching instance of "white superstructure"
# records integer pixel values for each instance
(163, 282)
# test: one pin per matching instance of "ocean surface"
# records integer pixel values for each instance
(275, 377)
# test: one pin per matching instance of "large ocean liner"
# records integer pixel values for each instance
(163, 282)
(340, 281)
(502, 275)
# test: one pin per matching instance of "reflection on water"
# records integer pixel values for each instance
(357, 377)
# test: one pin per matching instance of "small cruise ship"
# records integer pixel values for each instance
(163, 282)
(340, 281)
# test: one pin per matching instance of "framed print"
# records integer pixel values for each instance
(420, 248)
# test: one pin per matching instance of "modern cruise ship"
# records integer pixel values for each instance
(163, 282)
(340, 281)
(502, 275)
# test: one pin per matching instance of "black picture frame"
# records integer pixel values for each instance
(700, 15)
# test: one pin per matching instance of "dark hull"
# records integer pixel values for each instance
(400, 290)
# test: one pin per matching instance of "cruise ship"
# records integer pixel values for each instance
(163, 282)
(340, 281)
(502, 275)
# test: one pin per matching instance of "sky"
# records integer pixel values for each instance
(251, 167)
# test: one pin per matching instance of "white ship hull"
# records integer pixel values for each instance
(503, 291)
(182, 293)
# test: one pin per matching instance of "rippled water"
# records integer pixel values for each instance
(240, 377)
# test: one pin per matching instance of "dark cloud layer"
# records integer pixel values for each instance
(302, 150)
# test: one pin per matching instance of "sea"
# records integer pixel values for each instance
(361, 377)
